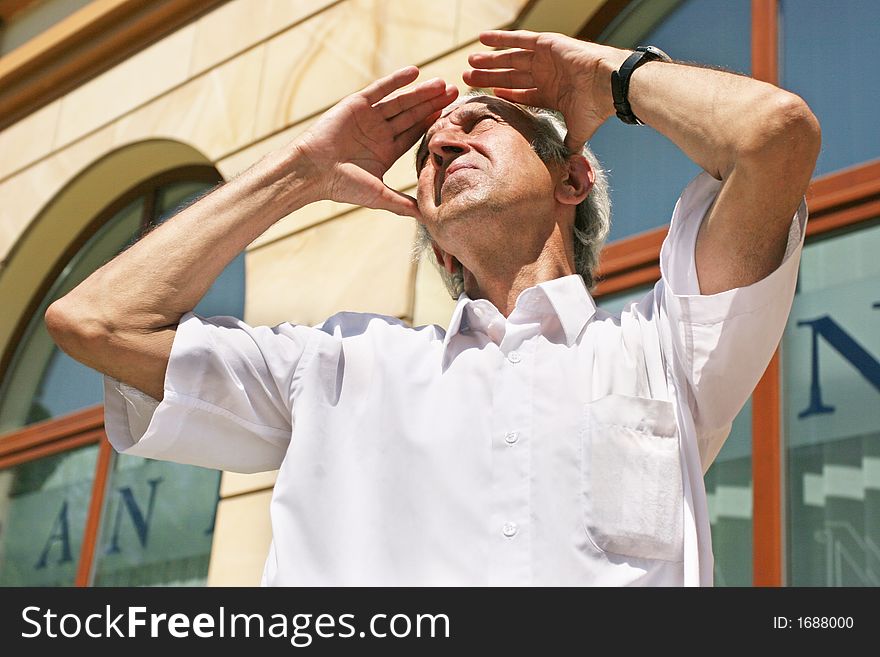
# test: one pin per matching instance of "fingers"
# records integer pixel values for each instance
(574, 144)
(411, 135)
(415, 115)
(403, 100)
(517, 58)
(370, 192)
(512, 39)
(510, 69)
(394, 201)
(398, 203)
(507, 78)
(531, 97)
(384, 86)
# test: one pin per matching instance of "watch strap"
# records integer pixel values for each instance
(621, 77)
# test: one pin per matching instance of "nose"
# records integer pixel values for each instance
(446, 145)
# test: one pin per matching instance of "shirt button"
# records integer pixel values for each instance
(509, 529)
(511, 437)
(514, 357)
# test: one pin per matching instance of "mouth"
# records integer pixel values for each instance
(453, 168)
(456, 166)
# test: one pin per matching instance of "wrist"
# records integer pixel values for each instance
(621, 81)
(608, 63)
(294, 173)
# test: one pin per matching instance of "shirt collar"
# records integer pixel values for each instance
(566, 297)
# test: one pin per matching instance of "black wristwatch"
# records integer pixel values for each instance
(620, 80)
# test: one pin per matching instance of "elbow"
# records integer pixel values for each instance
(73, 330)
(785, 132)
(799, 127)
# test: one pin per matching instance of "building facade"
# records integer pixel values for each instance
(116, 113)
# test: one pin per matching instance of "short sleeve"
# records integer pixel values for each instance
(227, 397)
(723, 342)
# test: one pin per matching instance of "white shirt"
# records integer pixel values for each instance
(562, 445)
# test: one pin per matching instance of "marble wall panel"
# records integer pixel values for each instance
(214, 112)
(236, 483)
(358, 262)
(136, 80)
(236, 26)
(343, 49)
(242, 535)
(24, 194)
(28, 139)
(475, 17)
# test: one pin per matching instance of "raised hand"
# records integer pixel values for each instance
(354, 143)
(549, 70)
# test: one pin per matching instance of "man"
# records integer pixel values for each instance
(538, 440)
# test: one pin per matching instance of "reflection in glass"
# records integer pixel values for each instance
(43, 505)
(831, 366)
(729, 494)
(157, 525)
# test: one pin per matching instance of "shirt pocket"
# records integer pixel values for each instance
(631, 472)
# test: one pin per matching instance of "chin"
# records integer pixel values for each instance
(467, 203)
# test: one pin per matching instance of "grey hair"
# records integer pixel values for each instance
(592, 219)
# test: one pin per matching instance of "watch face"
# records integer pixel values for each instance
(656, 52)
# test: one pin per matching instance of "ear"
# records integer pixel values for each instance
(576, 182)
(446, 259)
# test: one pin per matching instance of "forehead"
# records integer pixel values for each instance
(514, 114)
(465, 104)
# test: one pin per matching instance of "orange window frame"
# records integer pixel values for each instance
(78, 429)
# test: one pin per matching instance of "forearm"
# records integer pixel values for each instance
(154, 282)
(761, 141)
(717, 119)
(166, 274)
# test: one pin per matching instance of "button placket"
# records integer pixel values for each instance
(512, 419)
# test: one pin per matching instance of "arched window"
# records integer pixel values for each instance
(71, 511)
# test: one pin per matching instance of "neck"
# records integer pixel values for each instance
(501, 280)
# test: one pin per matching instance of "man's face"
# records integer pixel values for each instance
(476, 170)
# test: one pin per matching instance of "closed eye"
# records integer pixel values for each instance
(481, 118)
(423, 152)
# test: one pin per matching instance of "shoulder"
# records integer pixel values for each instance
(351, 325)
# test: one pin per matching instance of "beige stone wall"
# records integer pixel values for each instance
(229, 87)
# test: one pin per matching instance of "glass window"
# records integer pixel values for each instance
(34, 19)
(822, 47)
(157, 519)
(728, 483)
(729, 492)
(226, 295)
(157, 525)
(831, 393)
(43, 506)
(646, 171)
(42, 381)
